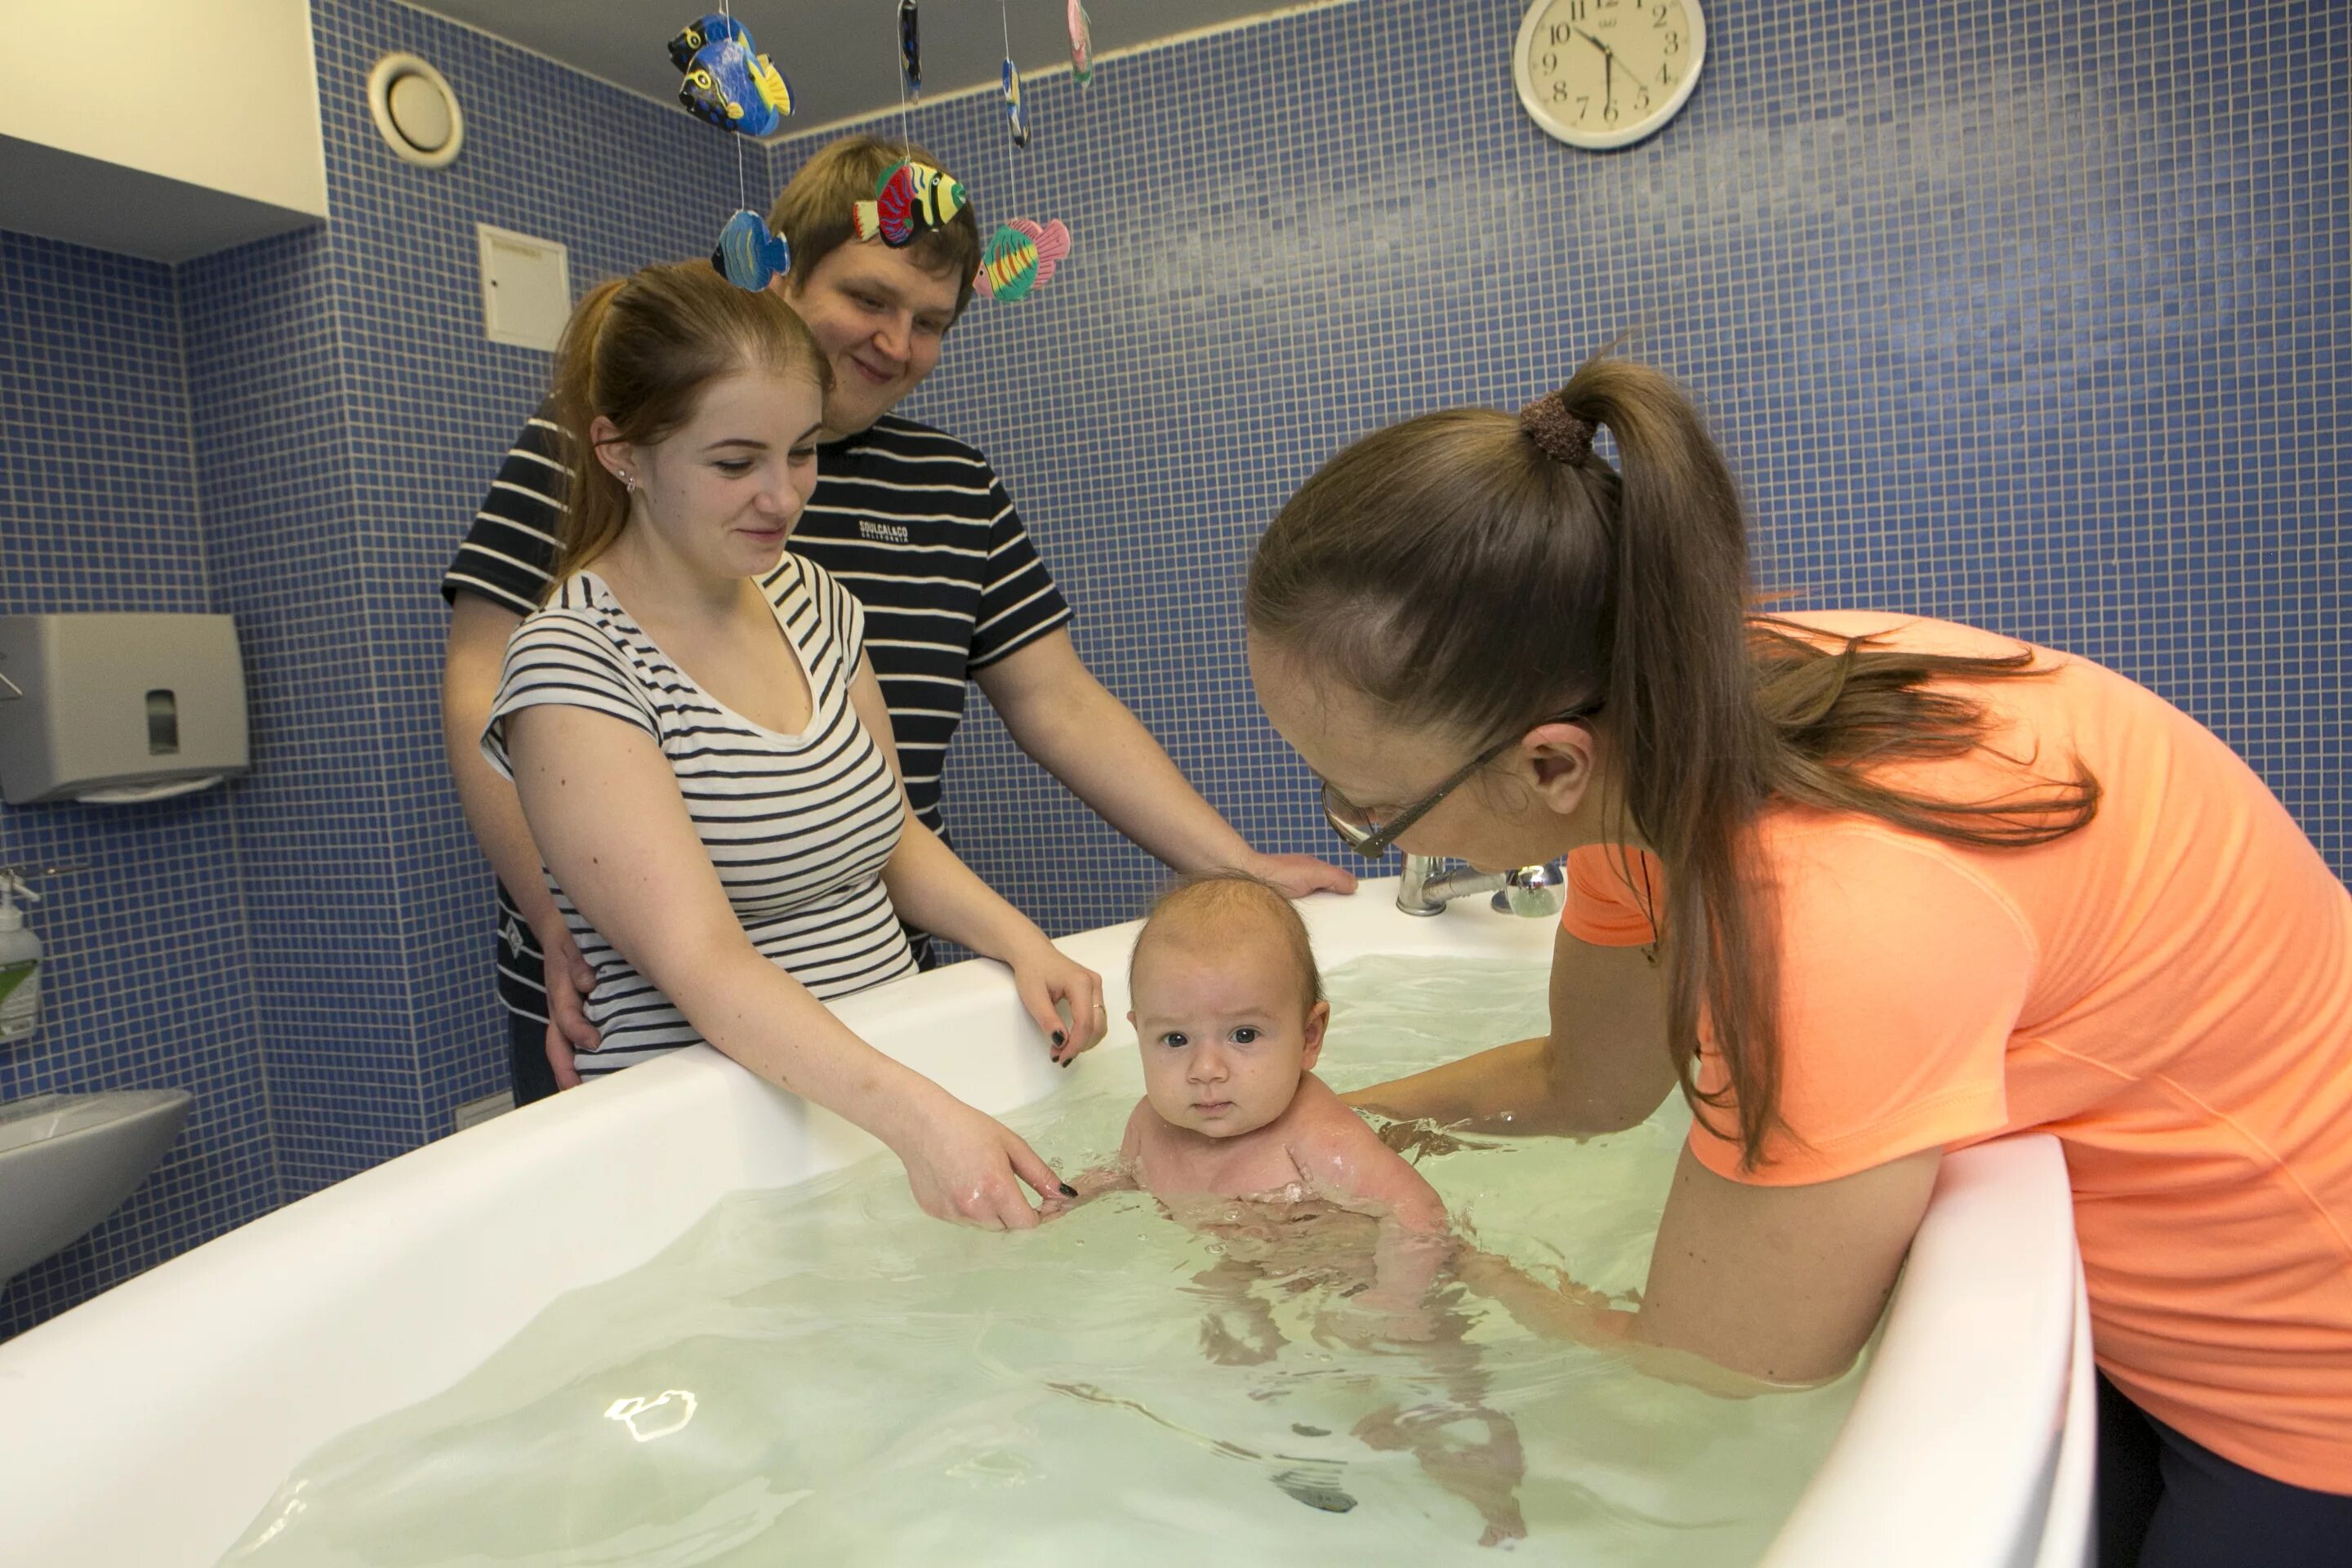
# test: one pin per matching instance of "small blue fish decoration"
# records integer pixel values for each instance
(1014, 115)
(748, 256)
(728, 84)
(911, 48)
(689, 42)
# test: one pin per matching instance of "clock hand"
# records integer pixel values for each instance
(1608, 65)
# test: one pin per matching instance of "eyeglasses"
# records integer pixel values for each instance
(1355, 826)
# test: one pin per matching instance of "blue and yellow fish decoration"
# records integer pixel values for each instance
(748, 256)
(1020, 258)
(1014, 115)
(910, 198)
(689, 41)
(910, 50)
(726, 82)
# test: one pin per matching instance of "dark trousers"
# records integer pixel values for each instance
(527, 1048)
(2167, 1502)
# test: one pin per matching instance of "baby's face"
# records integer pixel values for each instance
(1225, 1031)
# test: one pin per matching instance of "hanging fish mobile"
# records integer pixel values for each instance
(1082, 44)
(1020, 258)
(748, 256)
(726, 82)
(1015, 116)
(911, 48)
(911, 197)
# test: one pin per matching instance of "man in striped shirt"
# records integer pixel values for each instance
(913, 521)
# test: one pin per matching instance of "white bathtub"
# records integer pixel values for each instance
(146, 1427)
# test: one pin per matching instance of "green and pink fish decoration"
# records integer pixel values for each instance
(1020, 258)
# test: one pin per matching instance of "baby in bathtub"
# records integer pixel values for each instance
(1238, 1137)
(1230, 1015)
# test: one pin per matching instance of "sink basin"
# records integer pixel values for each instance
(67, 1160)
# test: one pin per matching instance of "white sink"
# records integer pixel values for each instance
(67, 1160)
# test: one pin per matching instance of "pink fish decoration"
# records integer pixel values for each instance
(1082, 44)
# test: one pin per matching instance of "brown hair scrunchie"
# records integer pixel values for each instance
(1564, 436)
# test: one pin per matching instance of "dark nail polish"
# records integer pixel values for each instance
(1068, 1191)
(1057, 1037)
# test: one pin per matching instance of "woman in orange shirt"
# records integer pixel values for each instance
(1868, 888)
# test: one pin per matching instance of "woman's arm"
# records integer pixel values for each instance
(1602, 1068)
(935, 891)
(476, 647)
(1078, 730)
(604, 806)
(1778, 1284)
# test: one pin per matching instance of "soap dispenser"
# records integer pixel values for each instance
(20, 965)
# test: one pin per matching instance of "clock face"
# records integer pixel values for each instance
(1604, 73)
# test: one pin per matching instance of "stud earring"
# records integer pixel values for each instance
(629, 483)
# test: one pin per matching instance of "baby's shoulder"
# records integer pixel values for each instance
(1338, 1152)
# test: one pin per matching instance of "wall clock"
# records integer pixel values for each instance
(1606, 73)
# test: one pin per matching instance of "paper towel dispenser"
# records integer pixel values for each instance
(117, 708)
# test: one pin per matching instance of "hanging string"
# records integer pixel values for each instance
(742, 194)
(1011, 163)
(906, 129)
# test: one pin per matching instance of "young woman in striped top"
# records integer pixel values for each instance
(704, 756)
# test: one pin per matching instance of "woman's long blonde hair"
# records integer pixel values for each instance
(639, 351)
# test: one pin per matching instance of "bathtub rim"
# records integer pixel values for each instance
(2007, 1199)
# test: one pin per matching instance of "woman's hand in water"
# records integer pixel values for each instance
(965, 1165)
(1044, 976)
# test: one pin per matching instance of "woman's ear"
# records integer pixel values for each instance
(620, 458)
(1561, 758)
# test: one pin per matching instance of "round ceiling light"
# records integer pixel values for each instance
(415, 111)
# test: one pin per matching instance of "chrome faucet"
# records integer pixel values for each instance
(1533, 891)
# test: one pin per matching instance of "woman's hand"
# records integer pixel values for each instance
(1297, 876)
(1043, 976)
(967, 1166)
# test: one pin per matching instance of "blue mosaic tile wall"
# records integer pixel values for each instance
(431, 406)
(297, 431)
(273, 461)
(147, 975)
(2037, 317)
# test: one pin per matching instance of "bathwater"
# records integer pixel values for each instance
(822, 1375)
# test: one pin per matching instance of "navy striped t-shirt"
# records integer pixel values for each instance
(797, 826)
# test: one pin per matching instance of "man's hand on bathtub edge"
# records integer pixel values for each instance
(569, 982)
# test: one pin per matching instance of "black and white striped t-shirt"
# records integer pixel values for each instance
(911, 520)
(798, 826)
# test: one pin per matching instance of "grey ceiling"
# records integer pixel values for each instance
(841, 56)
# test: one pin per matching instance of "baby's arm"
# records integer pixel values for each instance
(1345, 1162)
(1116, 1177)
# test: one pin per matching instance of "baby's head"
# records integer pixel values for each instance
(1229, 1009)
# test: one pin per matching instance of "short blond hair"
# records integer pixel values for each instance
(1214, 901)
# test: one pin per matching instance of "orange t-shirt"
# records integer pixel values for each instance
(2168, 989)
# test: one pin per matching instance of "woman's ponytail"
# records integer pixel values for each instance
(595, 504)
(1693, 747)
